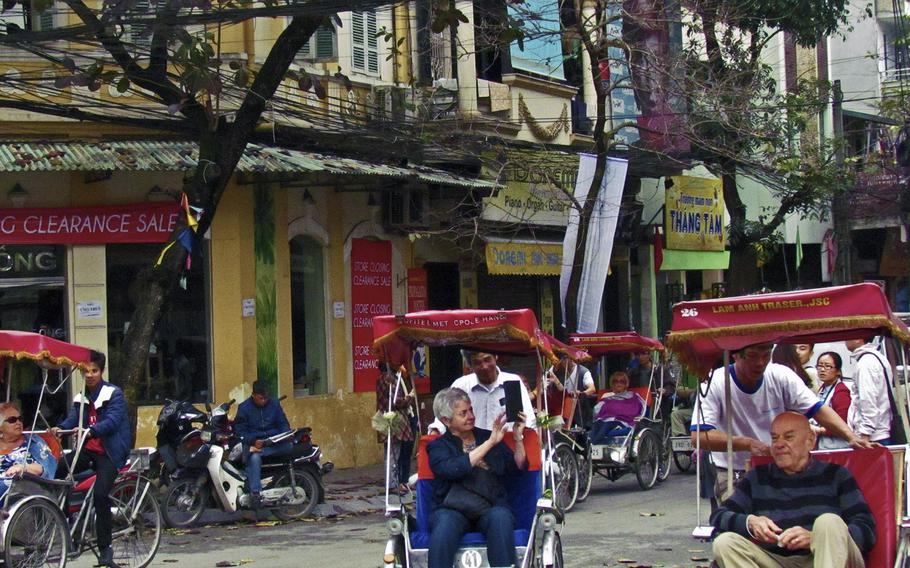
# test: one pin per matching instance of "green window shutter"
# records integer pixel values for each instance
(46, 18)
(325, 42)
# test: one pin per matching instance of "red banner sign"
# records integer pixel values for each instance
(133, 223)
(371, 295)
(418, 299)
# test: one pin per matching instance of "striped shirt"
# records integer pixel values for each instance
(797, 500)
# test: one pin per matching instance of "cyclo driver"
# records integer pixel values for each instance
(107, 444)
(258, 418)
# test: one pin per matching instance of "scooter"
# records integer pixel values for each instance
(212, 469)
(178, 422)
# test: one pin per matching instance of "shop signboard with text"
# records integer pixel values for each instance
(371, 295)
(131, 223)
(695, 214)
(535, 186)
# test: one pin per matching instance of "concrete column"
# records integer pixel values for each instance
(648, 282)
(88, 287)
(466, 65)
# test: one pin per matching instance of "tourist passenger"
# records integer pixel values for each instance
(870, 410)
(833, 393)
(616, 410)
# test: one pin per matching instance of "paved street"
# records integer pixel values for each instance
(618, 525)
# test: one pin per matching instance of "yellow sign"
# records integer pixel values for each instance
(537, 259)
(536, 187)
(695, 214)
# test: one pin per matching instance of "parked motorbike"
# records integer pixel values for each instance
(211, 468)
(178, 422)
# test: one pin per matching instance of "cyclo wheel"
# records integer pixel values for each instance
(136, 523)
(646, 458)
(566, 476)
(36, 535)
(307, 488)
(585, 473)
(683, 461)
(184, 503)
(665, 460)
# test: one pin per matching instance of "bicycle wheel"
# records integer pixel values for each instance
(36, 535)
(665, 460)
(585, 473)
(307, 490)
(566, 478)
(646, 458)
(136, 523)
(683, 461)
(184, 503)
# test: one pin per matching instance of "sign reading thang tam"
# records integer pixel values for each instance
(695, 214)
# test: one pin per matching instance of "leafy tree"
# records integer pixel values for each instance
(171, 61)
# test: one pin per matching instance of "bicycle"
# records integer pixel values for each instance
(47, 530)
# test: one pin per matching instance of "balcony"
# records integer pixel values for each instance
(894, 80)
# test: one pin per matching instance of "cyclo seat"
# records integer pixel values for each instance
(523, 494)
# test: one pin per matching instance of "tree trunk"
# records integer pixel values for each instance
(742, 274)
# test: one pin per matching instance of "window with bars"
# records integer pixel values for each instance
(321, 45)
(364, 42)
(26, 16)
(136, 33)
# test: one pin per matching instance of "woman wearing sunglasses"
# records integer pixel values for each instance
(21, 454)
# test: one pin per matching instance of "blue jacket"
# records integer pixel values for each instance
(112, 426)
(449, 464)
(254, 423)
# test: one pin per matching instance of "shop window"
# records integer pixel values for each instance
(178, 365)
(308, 317)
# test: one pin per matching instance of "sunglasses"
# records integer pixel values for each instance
(13, 419)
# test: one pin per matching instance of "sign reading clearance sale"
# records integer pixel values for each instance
(371, 295)
(133, 223)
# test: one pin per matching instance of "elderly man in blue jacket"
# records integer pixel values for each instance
(260, 417)
(107, 444)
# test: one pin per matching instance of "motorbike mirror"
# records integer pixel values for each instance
(282, 397)
(208, 408)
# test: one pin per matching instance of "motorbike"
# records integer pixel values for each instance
(177, 420)
(210, 469)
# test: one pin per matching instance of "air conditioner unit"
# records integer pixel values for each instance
(392, 103)
(405, 208)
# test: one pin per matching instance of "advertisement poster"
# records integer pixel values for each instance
(417, 290)
(695, 214)
(371, 295)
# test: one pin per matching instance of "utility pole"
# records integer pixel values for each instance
(840, 205)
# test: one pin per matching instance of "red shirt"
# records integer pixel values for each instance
(93, 444)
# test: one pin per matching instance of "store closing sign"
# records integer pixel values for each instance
(133, 223)
(371, 295)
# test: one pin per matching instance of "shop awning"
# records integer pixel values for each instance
(180, 156)
(527, 258)
(695, 260)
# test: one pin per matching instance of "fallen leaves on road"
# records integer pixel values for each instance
(181, 532)
(226, 563)
(646, 514)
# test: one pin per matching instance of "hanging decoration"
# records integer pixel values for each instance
(547, 134)
(186, 236)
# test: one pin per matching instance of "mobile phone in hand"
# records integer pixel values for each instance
(513, 400)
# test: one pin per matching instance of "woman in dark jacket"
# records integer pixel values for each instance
(476, 458)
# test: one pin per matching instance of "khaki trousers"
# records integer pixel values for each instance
(832, 547)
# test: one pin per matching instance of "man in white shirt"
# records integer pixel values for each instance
(488, 396)
(870, 410)
(575, 381)
(760, 390)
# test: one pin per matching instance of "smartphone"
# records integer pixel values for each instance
(513, 400)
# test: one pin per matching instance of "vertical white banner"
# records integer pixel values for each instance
(599, 247)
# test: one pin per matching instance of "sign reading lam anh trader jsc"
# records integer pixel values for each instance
(695, 214)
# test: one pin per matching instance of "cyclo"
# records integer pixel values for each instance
(644, 449)
(47, 522)
(705, 332)
(537, 519)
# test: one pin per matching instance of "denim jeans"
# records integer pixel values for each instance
(254, 463)
(448, 526)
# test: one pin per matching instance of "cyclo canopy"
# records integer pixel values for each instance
(609, 343)
(43, 350)
(702, 330)
(492, 331)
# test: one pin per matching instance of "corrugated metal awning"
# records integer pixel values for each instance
(180, 156)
